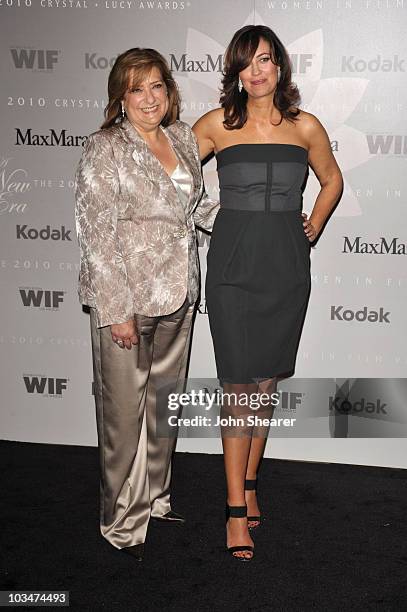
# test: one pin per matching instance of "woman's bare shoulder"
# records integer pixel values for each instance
(212, 120)
(307, 122)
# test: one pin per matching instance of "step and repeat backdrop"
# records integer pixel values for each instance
(349, 60)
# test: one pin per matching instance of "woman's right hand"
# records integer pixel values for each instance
(124, 334)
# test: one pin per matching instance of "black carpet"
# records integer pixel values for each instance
(335, 537)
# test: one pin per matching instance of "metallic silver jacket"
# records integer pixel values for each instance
(137, 241)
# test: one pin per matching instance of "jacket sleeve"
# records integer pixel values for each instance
(207, 208)
(97, 190)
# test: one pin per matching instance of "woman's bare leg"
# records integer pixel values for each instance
(236, 440)
(258, 443)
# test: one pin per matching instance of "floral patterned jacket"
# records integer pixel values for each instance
(137, 241)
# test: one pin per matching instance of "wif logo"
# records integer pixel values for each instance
(387, 144)
(290, 400)
(45, 386)
(35, 59)
(301, 62)
(44, 300)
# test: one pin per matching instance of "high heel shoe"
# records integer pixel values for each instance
(238, 512)
(251, 485)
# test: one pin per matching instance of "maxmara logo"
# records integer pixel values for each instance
(301, 62)
(45, 233)
(45, 386)
(184, 63)
(384, 246)
(53, 139)
(41, 298)
(340, 313)
(350, 63)
(35, 59)
(387, 144)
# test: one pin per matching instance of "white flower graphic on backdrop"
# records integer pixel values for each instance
(332, 100)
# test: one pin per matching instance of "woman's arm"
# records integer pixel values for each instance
(97, 188)
(323, 163)
(205, 212)
(204, 130)
(207, 208)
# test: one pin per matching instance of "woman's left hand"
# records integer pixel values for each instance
(309, 229)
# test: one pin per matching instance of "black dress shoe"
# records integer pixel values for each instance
(170, 517)
(136, 551)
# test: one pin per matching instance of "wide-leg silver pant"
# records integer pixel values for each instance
(135, 464)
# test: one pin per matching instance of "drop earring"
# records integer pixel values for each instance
(123, 111)
(278, 74)
(240, 84)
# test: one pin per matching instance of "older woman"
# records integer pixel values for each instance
(138, 186)
(258, 277)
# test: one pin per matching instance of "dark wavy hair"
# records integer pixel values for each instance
(133, 66)
(238, 56)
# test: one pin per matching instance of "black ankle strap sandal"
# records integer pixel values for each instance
(238, 512)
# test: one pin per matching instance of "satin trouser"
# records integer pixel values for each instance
(135, 464)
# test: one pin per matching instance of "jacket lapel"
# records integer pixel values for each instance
(186, 155)
(152, 167)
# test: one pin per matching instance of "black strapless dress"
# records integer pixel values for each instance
(258, 264)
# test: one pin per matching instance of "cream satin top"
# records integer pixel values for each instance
(182, 182)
